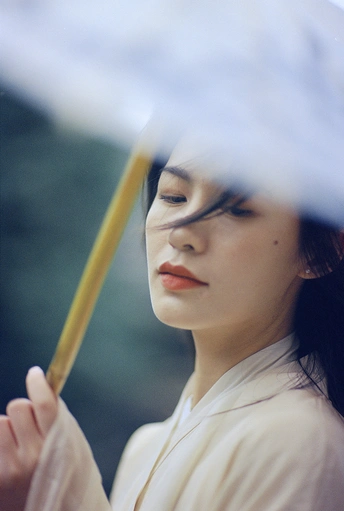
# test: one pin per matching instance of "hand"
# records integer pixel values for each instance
(22, 434)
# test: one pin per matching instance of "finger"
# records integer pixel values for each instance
(15, 470)
(23, 423)
(7, 438)
(8, 454)
(43, 399)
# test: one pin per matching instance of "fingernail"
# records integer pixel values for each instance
(36, 370)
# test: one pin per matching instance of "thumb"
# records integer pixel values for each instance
(43, 399)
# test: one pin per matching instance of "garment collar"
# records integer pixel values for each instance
(260, 376)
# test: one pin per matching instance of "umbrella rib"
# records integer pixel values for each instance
(97, 267)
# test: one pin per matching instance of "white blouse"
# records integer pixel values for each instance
(262, 439)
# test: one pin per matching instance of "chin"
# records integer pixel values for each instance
(172, 321)
(175, 319)
(168, 315)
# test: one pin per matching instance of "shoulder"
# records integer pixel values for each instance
(306, 407)
(143, 438)
(136, 458)
(287, 452)
(140, 448)
(297, 424)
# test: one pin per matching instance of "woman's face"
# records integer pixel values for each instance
(245, 263)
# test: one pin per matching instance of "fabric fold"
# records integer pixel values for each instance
(67, 477)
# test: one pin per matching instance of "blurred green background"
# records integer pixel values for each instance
(55, 188)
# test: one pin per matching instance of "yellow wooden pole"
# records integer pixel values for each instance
(96, 269)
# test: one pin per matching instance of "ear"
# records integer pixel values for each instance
(312, 270)
(307, 273)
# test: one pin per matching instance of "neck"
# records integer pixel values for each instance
(218, 351)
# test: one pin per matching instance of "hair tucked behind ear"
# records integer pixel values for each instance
(319, 319)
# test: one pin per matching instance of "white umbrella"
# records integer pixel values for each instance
(259, 84)
(263, 81)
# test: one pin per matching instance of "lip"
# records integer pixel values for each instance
(177, 278)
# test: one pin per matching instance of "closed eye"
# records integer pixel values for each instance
(172, 199)
(239, 212)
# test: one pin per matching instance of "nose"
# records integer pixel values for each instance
(188, 238)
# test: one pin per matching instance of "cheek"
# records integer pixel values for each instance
(155, 240)
(150, 217)
(256, 257)
(150, 247)
(150, 227)
(280, 263)
(285, 248)
(156, 214)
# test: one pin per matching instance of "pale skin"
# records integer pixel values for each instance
(22, 434)
(252, 272)
(250, 261)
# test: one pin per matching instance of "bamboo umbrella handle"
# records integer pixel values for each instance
(96, 269)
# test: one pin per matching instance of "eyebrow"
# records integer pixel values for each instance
(179, 172)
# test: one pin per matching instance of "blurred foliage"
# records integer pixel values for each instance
(55, 187)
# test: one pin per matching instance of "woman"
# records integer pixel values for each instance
(262, 292)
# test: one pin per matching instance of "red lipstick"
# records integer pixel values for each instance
(177, 278)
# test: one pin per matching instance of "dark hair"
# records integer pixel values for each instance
(319, 314)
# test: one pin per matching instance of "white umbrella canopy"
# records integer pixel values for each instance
(260, 85)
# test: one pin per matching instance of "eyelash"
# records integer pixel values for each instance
(239, 212)
(172, 199)
(233, 210)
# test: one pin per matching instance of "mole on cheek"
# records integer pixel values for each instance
(275, 242)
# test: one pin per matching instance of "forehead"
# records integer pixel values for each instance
(192, 154)
(261, 203)
(198, 161)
